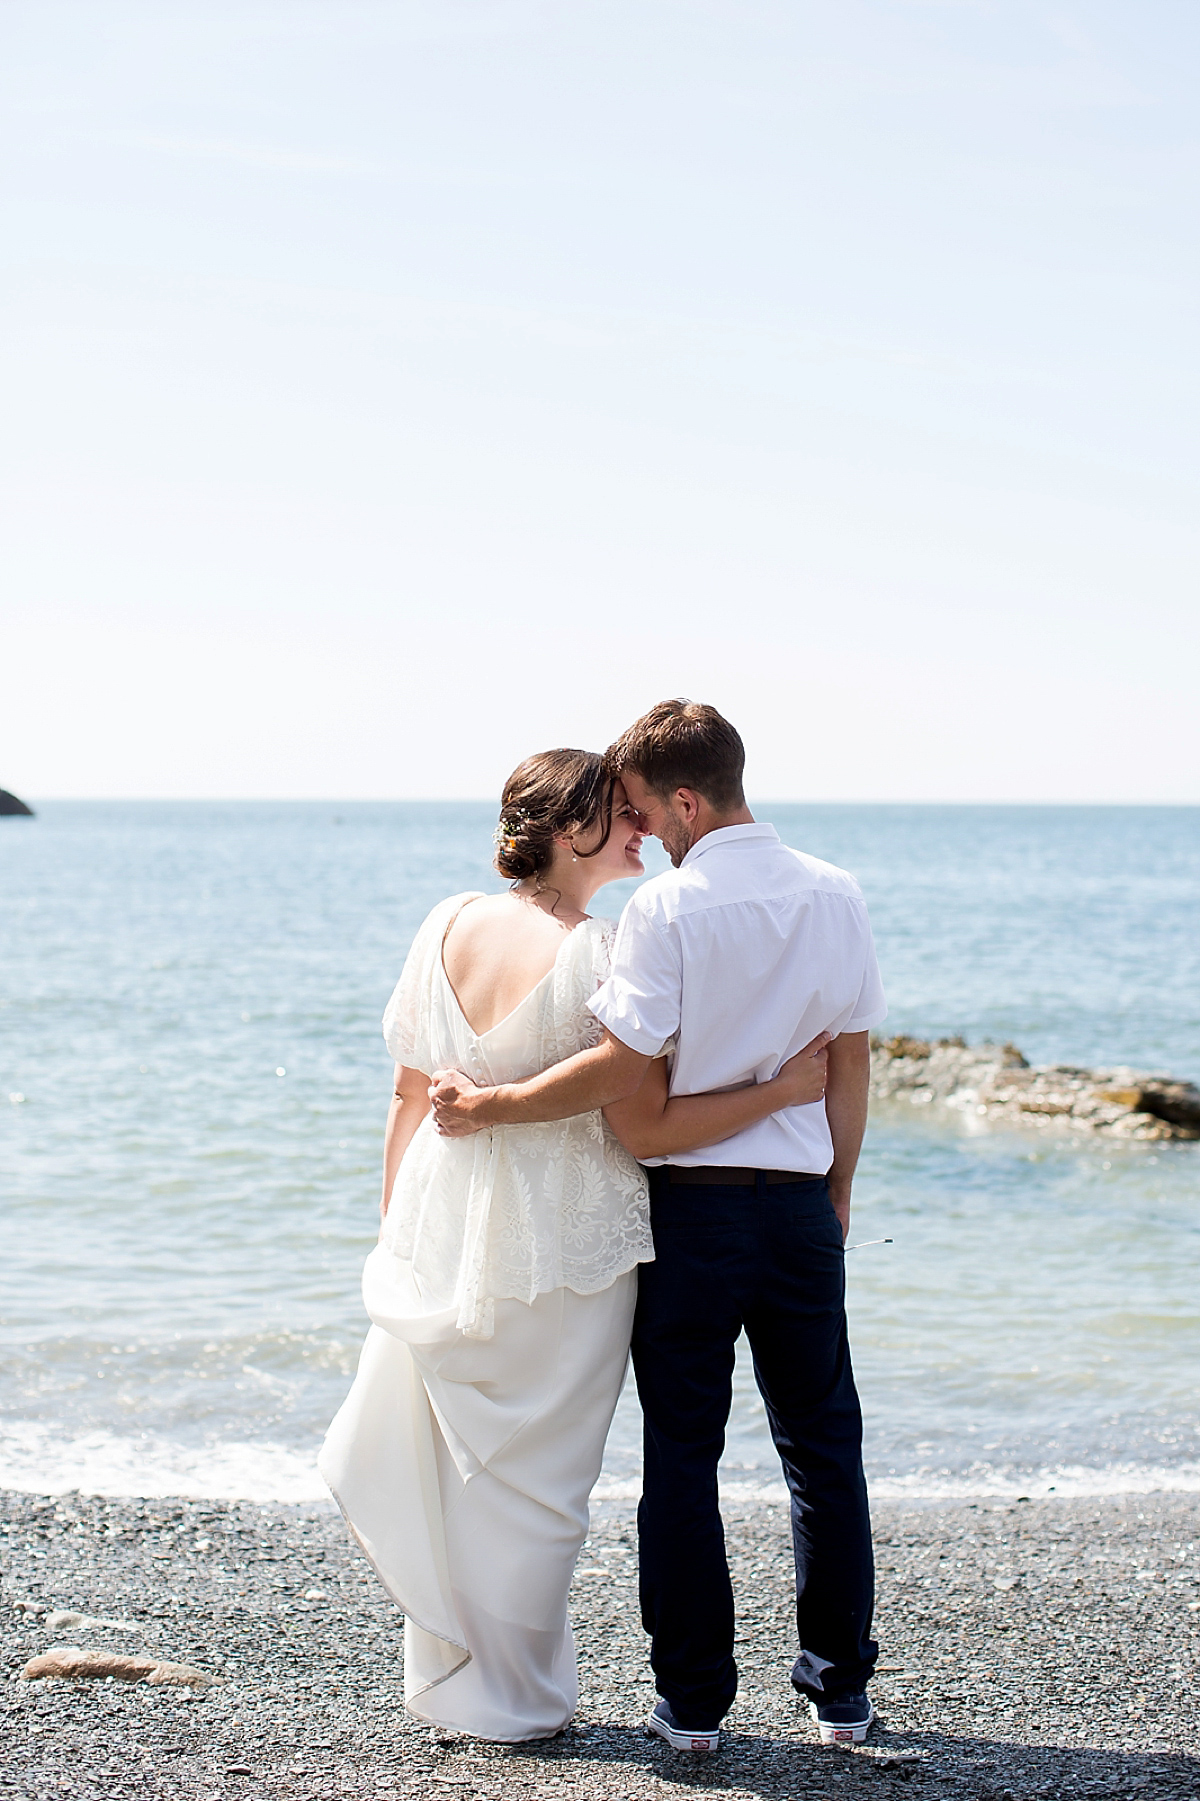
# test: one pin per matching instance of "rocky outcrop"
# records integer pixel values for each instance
(9, 804)
(993, 1084)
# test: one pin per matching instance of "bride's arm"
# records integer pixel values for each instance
(653, 1123)
(410, 1104)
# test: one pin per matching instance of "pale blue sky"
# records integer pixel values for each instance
(392, 389)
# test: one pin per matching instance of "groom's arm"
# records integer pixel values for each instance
(847, 1080)
(609, 1072)
(638, 1006)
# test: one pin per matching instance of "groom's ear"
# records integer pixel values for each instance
(686, 803)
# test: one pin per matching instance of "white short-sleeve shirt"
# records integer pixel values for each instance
(741, 956)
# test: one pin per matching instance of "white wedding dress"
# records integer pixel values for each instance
(501, 1294)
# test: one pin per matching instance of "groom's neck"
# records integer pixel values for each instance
(710, 820)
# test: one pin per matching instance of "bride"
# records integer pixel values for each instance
(502, 1288)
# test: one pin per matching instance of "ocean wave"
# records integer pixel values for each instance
(1071, 1481)
(35, 1459)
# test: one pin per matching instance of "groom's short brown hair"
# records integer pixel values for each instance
(684, 744)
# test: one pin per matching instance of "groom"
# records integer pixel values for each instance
(740, 954)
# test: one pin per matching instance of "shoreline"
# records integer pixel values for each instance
(1037, 1647)
(291, 1479)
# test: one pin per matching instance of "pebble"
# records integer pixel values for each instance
(1079, 1678)
(84, 1622)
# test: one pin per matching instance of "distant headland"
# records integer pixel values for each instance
(993, 1084)
(10, 805)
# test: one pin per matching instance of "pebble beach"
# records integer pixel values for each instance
(1045, 1647)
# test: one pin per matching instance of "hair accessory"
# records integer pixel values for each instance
(509, 827)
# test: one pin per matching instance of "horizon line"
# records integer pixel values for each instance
(475, 800)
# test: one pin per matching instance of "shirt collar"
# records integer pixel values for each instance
(758, 832)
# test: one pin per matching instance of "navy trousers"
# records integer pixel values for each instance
(767, 1259)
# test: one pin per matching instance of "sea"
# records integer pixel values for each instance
(193, 1088)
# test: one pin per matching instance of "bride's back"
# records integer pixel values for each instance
(496, 951)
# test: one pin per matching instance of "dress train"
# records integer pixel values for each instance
(464, 1466)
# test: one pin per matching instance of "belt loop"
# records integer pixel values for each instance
(760, 1184)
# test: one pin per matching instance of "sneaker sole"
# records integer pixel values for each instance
(679, 1740)
(851, 1732)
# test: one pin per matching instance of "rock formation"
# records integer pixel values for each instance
(993, 1084)
(10, 804)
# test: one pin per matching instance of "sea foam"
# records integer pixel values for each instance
(35, 1459)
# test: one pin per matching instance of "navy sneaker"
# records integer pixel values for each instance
(682, 1738)
(844, 1720)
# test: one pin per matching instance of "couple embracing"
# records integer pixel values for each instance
(608, 1137)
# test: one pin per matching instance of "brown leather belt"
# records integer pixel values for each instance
(714, 1175)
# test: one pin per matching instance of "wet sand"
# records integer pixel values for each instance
(1035, 1648)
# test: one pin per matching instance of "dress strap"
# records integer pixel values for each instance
(453, 921)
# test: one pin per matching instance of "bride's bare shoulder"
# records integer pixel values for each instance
(496, 918)
(484, 911)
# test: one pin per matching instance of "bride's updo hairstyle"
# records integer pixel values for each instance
(556, 793)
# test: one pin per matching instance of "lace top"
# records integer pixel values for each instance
(512, 1211)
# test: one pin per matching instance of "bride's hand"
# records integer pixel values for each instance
(455, 1100)
(802, 1077)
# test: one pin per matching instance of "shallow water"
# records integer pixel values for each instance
(189, 1012)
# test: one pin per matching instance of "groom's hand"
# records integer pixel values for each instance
(457, 1103)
